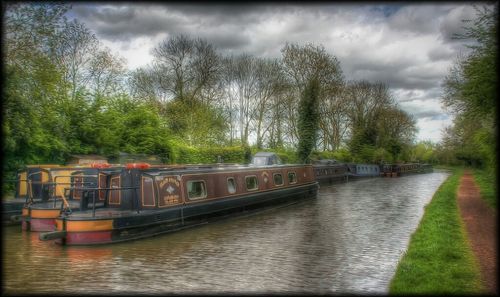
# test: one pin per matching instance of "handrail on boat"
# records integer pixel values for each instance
(95, 193)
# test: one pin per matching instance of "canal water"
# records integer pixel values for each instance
(347, 240)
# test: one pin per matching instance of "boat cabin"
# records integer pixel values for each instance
(155, 188)
(265, 158)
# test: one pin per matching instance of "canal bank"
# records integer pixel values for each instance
(440, 258)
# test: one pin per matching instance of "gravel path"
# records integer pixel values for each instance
(481, 224)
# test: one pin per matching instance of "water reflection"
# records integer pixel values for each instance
(348, 240)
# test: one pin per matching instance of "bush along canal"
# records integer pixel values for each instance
(439, 259)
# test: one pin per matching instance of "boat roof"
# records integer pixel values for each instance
(213, 168)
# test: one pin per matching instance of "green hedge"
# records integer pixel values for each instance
(191, 155)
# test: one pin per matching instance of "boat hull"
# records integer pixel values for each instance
(39, 219)
(104, 230)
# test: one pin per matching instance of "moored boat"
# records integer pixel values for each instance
(394, 170)
(363, 170)
(143, 202)
(330, 171)
(29, 185)
(40, 214)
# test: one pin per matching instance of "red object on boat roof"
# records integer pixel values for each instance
(138, 165)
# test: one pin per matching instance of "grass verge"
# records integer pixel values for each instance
(487, 186)
(439, 259)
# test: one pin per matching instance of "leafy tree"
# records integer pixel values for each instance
(308, 120)
(196, 123)
(470, 91)
(300, 65)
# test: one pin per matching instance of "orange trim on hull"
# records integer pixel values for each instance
(25, 212)
(45, 213)
(82, 226)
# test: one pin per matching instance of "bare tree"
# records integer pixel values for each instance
(186, 68)
(270, 84)
(78, 46)
(241, 83)
(334, 121)
(106, 72)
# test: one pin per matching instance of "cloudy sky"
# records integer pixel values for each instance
(408, 47)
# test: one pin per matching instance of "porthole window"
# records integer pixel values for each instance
(292, 178)
(278, 179)
(196, 189)
(252, 183)
(231, 185)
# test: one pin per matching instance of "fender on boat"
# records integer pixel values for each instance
(16, 218)
(52, 235)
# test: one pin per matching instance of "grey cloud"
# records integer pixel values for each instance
(396, 74)
(432, 114)
(149, 20)
(416, 19)
(406, 96)
(452, 24)
(221, 10)
(423, 109)
(386, 10)
(123, 23)
(226, 40)
(441, 53)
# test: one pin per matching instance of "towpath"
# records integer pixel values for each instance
(481, 225)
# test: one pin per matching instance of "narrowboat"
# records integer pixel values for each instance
(330, 171)
(425, 168)
(58, 196)
(363, 170)
(146, 201)
(29, 184)
(394, 170)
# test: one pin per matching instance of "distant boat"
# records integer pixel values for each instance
(330, 171)
(395, 170)
(363, 170)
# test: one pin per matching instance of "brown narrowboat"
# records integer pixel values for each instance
(143, 202)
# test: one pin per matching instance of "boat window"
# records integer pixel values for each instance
(231, 185)
(252, 183)
(292, 177)
(278, 179)
(196, 189)
(260, 161)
